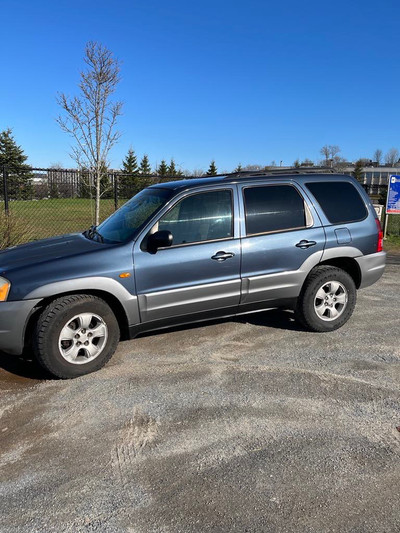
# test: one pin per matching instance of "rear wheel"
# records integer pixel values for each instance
(327, 299)
(75, 335)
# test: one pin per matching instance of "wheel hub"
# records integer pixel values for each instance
(330, 300)
(83, 338)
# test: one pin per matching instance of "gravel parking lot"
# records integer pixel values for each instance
(243, 425)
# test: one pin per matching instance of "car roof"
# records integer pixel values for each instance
(184, 184)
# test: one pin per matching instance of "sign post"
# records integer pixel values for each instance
(392, 200)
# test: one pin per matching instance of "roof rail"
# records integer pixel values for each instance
(282, 171)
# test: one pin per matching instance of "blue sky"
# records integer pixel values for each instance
(233, 81)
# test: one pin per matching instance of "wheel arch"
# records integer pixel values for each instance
(115, 305)
(348, 264)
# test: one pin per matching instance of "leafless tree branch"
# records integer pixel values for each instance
(91, 118)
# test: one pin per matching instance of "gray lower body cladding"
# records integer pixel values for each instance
(13, 319)
(372, 267)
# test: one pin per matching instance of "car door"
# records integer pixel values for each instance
(282, 239)
(200, 272)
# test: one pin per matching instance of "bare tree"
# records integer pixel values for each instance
(91, 117)
(378, 156)
(330, 153)
(392, 157)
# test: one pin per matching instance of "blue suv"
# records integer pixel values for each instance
(187, 251)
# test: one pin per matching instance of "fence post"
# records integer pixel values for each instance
(115, 192)
(5, 190)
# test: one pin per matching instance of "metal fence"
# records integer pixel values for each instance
(42, 202)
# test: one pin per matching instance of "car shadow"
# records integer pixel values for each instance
(23, 366)
(26, 366)
(274, 318)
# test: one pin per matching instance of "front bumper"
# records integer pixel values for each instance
(13, 319)
(372, 267)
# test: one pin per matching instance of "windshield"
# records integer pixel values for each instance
(125, 223)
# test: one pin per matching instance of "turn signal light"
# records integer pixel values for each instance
(4, 289)
(379, 247)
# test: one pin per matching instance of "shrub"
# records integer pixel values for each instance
(13, 231)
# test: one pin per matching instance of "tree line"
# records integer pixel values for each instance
(134, 175)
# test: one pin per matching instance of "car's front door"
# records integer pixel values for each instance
(200, 272)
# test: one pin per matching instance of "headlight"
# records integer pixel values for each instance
(4, 289)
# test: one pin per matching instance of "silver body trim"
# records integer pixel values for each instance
(13, 319)
(188, 300)
(96, 283)
(372, 267)
(278, 285)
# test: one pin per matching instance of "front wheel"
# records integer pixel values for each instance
(75, 335)
(327, 299)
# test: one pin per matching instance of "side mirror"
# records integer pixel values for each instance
(159, 239)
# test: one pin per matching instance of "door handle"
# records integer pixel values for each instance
(221, 256)
(305, 244)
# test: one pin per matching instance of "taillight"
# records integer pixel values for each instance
(379, 248)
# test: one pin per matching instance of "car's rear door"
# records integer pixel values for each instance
(283, 239)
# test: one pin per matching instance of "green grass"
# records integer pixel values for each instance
(392, 244)
(45, 218)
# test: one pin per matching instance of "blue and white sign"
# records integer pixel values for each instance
(393, 197)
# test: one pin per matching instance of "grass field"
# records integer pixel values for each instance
(45, 218)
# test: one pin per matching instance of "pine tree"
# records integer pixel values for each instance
(162, 170)
(85, 183)
(19, 178)
(145, 167)
(239, 168)
(358, 170)
(172, 171)
(212, 169)
(129, 182)
(129, 164)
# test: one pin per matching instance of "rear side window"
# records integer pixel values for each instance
(273, 208)
(339, 200)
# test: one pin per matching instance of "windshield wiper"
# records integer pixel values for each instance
(92, 231)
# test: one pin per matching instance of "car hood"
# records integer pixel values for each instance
(45, 250)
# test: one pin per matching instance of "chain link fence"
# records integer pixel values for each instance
(42, 202)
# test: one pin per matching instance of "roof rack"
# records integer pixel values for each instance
(282, 172)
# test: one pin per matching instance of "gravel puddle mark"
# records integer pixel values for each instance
(139, 432)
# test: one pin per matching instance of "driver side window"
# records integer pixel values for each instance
(200, 217)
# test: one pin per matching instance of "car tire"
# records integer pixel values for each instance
(75, 335)
(327, 299)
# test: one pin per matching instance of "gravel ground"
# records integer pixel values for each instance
(244, 425)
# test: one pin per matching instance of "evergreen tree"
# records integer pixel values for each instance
(296, 164)
(129, 164)
(239, 168)
(129, 182)
(172, 171)
(212, 169)
(162, 170)
(358, 170)
(19, 178)
(85, 183)
(145, 167)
